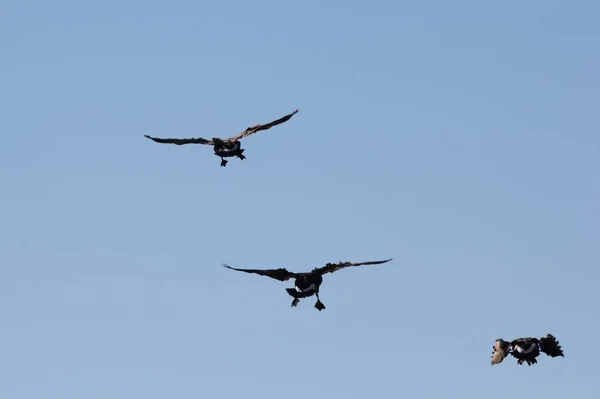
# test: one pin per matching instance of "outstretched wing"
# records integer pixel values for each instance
(277, 274)
(334, 267)
(198, 140)
(501, 350)
(550, 346)
(258, 128)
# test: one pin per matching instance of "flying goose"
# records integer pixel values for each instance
(229, 147)
(308, 283)
(526, 350)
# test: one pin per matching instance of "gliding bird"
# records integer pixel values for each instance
(306, 284)
(229, 147)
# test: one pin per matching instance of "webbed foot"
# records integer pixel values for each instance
(240, 154)
(319, 305)
(295, 302)
(223, 162)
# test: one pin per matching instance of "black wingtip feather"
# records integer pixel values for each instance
(551, 346)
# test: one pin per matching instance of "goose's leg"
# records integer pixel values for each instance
(319, 305)
(240, 154)
(223, 162)
(294, 294)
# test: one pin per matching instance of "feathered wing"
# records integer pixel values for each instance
(198, 140)
(501, 350)
(550, 346)
(277, 274)
(258, 128)
(334, 267)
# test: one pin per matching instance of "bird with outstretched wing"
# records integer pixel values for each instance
(307, 283)
(526, 350)
(228, 147)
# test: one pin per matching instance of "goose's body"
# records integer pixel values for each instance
(225, 148)
(526, 350)
(305, 284)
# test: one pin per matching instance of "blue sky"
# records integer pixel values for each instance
(459, 138)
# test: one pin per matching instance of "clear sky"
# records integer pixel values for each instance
(460, 138)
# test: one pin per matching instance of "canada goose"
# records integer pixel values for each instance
(307, 284)
(224, 148)
(526, 350)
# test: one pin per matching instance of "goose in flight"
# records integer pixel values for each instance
(229, 147)
(308, 283)
(526, 349)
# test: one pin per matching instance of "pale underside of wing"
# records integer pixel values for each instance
(278, 274)
(333, 267)
(501, 350)
(498, 357)
(258, 128)
(198, 140)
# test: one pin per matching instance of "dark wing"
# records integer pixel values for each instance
(501, 350)
(258, 128)
(334, 267)
(277, 274)
(198, 140)
(550, 346)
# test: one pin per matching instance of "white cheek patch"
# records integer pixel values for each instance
(233, 147)
(525, 351)
(310, 288)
